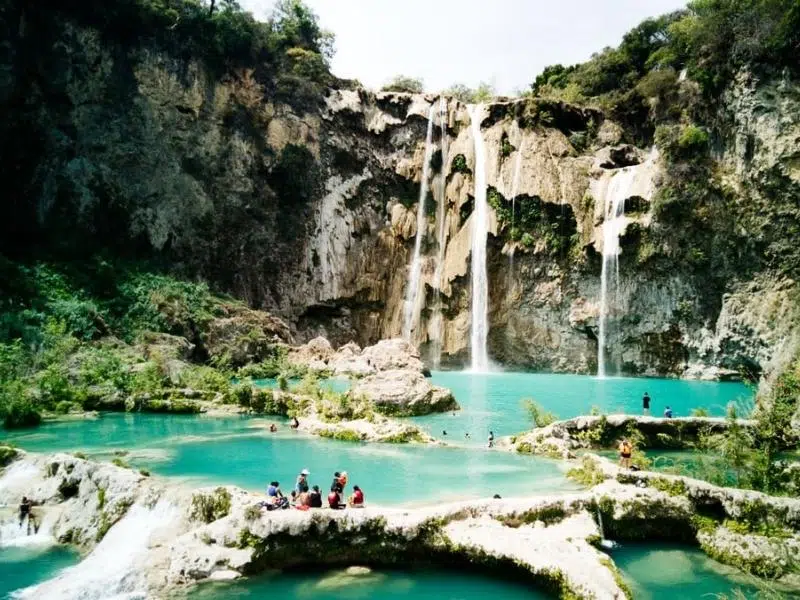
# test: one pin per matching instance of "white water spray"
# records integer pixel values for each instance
(111, 570)
(411, 311)
(480, 231)
(441, 241)
(614, 189)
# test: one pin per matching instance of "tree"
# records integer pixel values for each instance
(403, 83)
(460, 92)
(296, 25)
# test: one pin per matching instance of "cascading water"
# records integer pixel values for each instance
(480, 231)
(441, 241)
(615, 189)
(410, 311)
(111, 570)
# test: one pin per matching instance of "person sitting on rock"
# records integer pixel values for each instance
(315, 497)
(276, 497)
(336, 485)
(335, 500)
(668, 413)
(625, 451)
(273, 428)
(295, 423)
(357, 499)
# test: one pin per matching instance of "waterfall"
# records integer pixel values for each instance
(441, 241)
(410, 311)
(615, 189)
(111, 570)
(480, 230)
(605, 543)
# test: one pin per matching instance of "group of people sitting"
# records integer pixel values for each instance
(304, 497)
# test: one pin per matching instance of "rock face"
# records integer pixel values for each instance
(309, 211)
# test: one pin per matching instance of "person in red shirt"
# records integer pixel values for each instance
(357, 499)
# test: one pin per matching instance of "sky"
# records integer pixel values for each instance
(504, 42)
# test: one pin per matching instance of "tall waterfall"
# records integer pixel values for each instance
(613, 190)
(410, 309)
(480, 230)
(441, 242)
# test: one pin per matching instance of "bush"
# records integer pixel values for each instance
(459, 164)
(16, 406)
(403, 83)
(209, 507)
(537, 413)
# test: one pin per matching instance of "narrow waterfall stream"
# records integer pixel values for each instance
(480, 229)
(412, 301)
(613, 190)
(441, 241)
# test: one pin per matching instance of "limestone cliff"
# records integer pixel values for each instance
(310, 211)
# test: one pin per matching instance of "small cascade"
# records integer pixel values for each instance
(605, 543)
(616, 188)
(29, 534)
(111, 569)
(480, 231)
(411, 306)
(441, 242)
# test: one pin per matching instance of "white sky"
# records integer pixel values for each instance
(506, 42)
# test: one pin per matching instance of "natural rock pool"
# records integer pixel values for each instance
(241, 451)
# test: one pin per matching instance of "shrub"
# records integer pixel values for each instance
(403, 83)
(16, 406)
(527, 240)
(209, 507)
(459, 164)
(537, 413)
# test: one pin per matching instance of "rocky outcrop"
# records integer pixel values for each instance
(404, 393)
(240, 335)
(563, 438)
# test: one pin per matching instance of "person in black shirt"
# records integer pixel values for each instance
(646, 404)
(315, 497)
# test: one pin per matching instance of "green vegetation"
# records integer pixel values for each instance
(459, 164)
(700, 412)
(485, 92)
(712, 40)
(538, 415)
(403, 83)
(209, 507)
(751, 458)
(588, 473)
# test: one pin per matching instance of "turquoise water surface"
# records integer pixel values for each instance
(493, 402)
(670, 572)
(337, 585)
(21, 567)
(240, 451)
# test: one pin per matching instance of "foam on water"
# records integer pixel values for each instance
(111, 570)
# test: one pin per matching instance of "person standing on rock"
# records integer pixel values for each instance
(625, 452)
(491, 439)
(646, 404)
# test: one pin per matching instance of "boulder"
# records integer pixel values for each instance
(244, 335)
(164, 346)
(315, 355)
(395, 353)
(404, 392)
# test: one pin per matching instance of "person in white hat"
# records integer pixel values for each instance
(301, 487)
